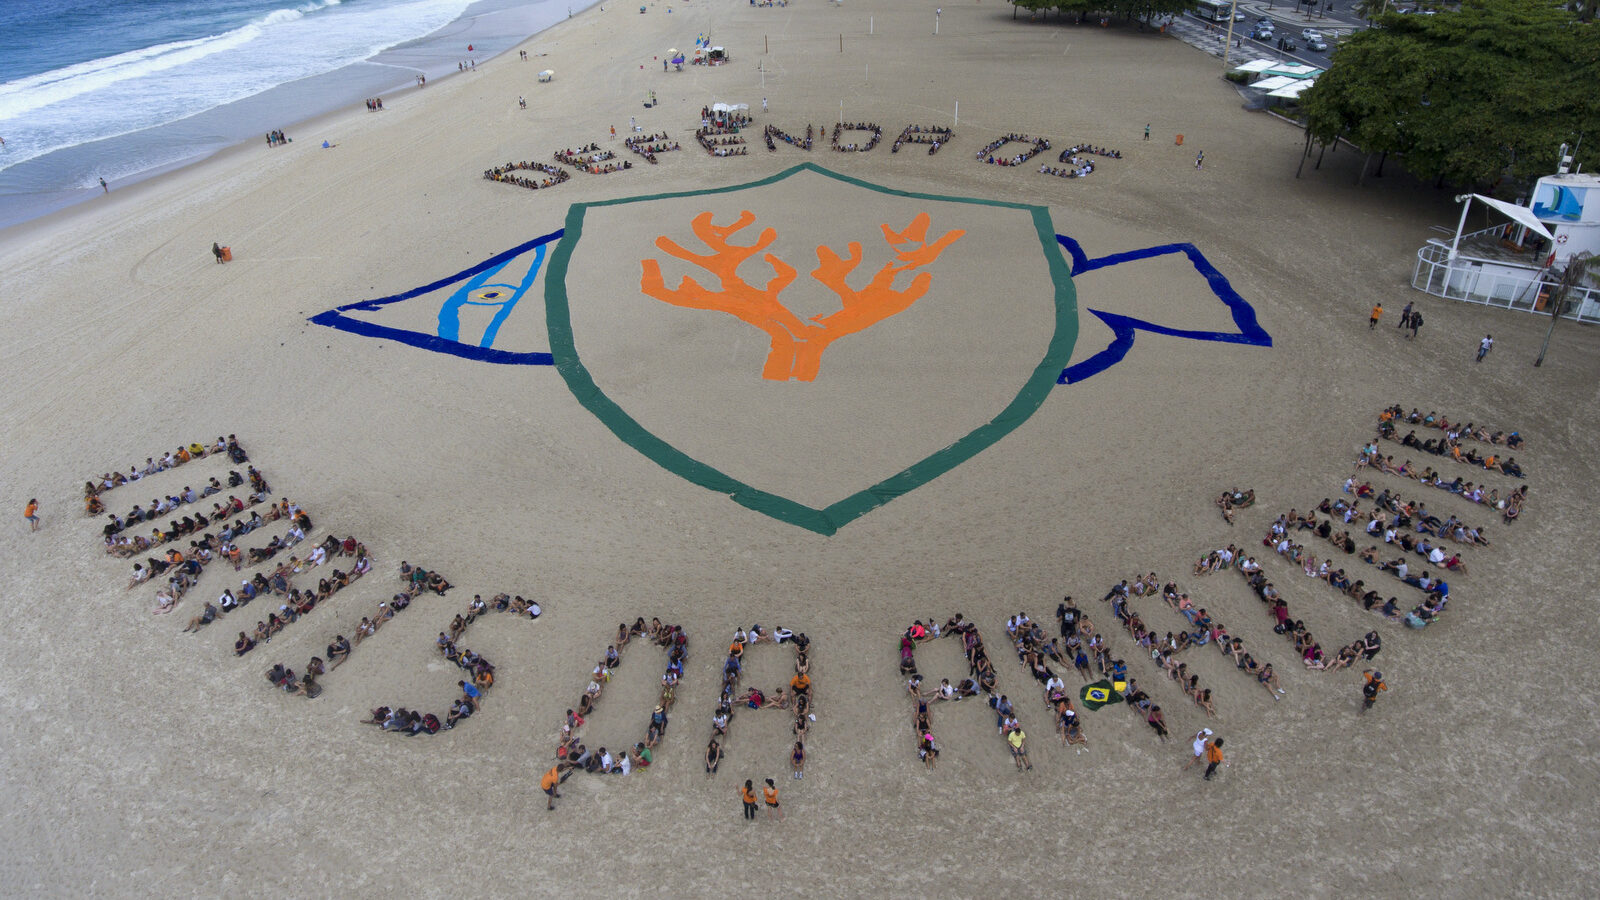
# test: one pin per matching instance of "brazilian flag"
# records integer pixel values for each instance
(1099, 694)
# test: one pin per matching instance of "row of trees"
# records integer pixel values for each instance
(1472, 96)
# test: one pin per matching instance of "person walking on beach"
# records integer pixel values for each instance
(763, 104)
(216, 250)
(1213, 758)
(1147, 131)
(1377, 310)
(1200, 739)
(1369, 691)
(107, 189)
(747, 794)
(31, 513)
(1484, 346)
(1200, 159)
(1416, 322)
(1405, 316)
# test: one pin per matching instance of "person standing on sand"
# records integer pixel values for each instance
(1147, 131)
(1200, 159)
(747, 795)
(1484, 346)
(1416, 322)
(1369, 691)
(1405, 316)
(1377, 310)
(216, 250)
(770, 795)
(31, 513)
(1213, 758)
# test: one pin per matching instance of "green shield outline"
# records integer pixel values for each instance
(829, 519)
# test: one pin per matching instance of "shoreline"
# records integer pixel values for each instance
(419, 55)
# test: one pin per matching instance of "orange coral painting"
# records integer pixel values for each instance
(797, 344)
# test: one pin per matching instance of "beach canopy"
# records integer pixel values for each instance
(673, 51)
(547, 74)
(728, 107)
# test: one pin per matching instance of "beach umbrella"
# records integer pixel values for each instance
(674, 51)
(547, 74)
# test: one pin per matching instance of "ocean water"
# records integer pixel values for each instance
(120, 90)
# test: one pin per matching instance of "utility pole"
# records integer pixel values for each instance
(1227, 44)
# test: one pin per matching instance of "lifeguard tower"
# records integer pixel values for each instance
(1517, 264)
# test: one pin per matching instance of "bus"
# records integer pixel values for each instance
(1215, 10)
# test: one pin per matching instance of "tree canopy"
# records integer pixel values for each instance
(1472, 96)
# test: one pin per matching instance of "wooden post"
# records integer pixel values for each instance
(766, 45)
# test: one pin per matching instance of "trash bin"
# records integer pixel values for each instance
(227, 254)
(1180, 140)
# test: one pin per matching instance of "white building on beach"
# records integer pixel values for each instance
(1517, 264)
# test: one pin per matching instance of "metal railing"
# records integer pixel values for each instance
(1466, 278)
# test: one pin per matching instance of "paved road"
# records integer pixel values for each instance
(1288, 23)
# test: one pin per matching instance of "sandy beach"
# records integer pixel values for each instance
(637, 475)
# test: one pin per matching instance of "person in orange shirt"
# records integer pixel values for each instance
(31, 513)
(1377, 310)
(1213, 757)
(549, 783)
(748, 795)
(801, 683)
(770, 794)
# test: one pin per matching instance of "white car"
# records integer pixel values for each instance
(1310, 34)
(1317, 44)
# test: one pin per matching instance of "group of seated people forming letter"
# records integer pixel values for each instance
(981, 678)
(1077, 167)
(932, 135)
(1449, 442)
(773, 134)
(797, 698)
(851, 146)
(589, 160)
(506, 174)
(573, 755)
(1035, 146)
(1305, 644)
(95, 487)
(479, 672)
(1165, 650)
(648, 147)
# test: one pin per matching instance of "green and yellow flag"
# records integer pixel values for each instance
(1099, 694)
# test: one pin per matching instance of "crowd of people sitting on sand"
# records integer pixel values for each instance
(1437, 590)
(506, 174)
(589, 160)
(276, 138)
(479, 672)
(374, 104)
(798, 698)
(1163, 650)
(1033, 648)
(1449, 443)
(932, 135)
(721, 140)
(851, 146)
(1509, 505)
(1305, 644)
(648, 147)
(981, 678)
(572, 755)
(1512, 440)
(1036, 146)
(186, 569)
(118, 544)
(95, 487)
(1393, 513)
(772, 132)
(299, 603)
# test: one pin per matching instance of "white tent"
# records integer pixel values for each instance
(547, 74)
(728, 107)
(1274, 83)
(1519, 214)
(1292, 90)
(1259, 65)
